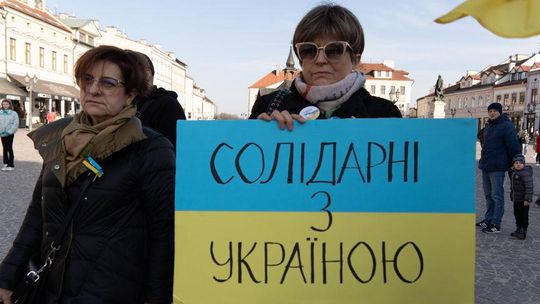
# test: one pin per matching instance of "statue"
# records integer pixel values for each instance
(439, 89)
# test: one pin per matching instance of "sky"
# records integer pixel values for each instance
(229, 45)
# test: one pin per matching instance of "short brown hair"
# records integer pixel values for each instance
(330, 20)
(9, 102)
(132, 72)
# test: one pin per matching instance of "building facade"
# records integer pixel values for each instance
(513, 83)
(39, 52)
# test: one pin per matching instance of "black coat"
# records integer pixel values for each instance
(499, 146)
(119, 248)
(360, 105)
(521, 184)
(160, 110)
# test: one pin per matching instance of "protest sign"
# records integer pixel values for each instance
(336, 211)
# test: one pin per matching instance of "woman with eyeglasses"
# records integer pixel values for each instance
(118, 246)
(329, 42)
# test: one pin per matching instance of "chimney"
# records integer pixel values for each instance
(511, 63)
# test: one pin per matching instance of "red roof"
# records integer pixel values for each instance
(41, 15)
(275, 77)
(369, 68)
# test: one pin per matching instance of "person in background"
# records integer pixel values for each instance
(119, 247)
(160, 108)
(536, 146)
(51, 116)
(9, 122)
(521, 193)
(500, 144)
(329, 42)
(523, 137)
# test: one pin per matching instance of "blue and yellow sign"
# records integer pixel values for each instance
(336, 211)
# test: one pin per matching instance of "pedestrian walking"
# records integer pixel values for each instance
(500, 144)
(521, 192)
(101, 219)
(9, 122)
(537, 146)
(523, 137)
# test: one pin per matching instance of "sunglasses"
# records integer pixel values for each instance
(333, 51)
(104, 83)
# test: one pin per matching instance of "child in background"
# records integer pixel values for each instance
(521, 192)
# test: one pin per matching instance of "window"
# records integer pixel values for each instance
(82, 37)
(505, 99)
(402, 90)
(534, 96)
(41, 57)
(12, 49)
(514, 98)
(377, 74)
(499, 98)
(521, 97)
(91, 40)
(65, 64)
(372, 91)
(53, 65)
(383, 90)
(27, 53)
(387, 74)
(392, 89)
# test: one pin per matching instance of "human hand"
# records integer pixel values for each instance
(526, 203)
(284, 118)
(5, 296)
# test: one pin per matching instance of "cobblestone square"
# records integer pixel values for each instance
(507, 270)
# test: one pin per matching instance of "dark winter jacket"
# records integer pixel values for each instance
(160, 110)
(500, 144)
(360, 105)
(521, 184)
(119, 248)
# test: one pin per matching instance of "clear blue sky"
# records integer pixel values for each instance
(228, 45)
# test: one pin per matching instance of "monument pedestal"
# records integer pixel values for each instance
(438, 109)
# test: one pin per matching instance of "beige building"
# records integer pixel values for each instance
(39, 51)
(384, 80)
(36, 58)
(508, 83)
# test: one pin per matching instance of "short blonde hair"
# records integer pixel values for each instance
(330, 20)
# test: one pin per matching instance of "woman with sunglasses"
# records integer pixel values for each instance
(118, 246)
(329, 42)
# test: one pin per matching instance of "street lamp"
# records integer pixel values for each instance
(30, 82)
(453, 112)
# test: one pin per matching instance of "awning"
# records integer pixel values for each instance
(47, 89)
(11, 90)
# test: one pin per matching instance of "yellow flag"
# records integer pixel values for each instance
(506, 18)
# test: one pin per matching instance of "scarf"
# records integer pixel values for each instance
(81, 139)
(329, 98)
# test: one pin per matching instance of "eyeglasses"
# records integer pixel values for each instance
(104, 83)
(333, 51)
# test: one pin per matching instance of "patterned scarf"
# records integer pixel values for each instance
(80, 139)
(330, 97)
